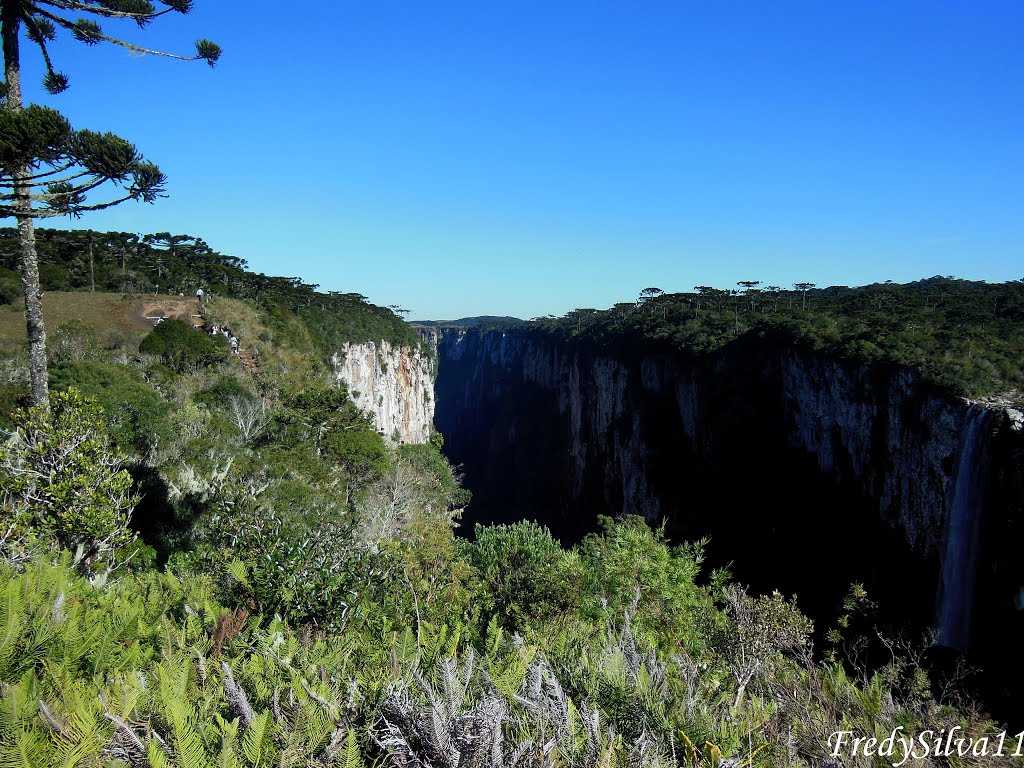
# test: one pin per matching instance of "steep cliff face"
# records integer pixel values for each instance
(825, 470)
(884, 432)
(881, 431)
(394, 385)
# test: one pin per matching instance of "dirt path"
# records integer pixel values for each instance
(149, 308)
(249, 363)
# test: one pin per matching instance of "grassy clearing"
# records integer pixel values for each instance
(281, 346)
(284, 348)
(105, 312)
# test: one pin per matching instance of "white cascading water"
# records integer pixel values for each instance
(963, 534)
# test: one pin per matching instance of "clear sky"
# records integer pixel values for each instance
(529, 157)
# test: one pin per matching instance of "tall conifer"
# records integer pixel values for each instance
(48, 168)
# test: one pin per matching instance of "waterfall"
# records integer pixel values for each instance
(963, 534)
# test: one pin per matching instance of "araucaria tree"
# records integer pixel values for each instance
(46, 167)
(804, 288)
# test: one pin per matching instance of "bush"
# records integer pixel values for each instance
(520, 568)
(10, 286)
(183, 347)
(63, 481)
(358, 448)
(74, 340)
(12, 397)
(303, 568)
(220, 395)
(631, 564)
(136, 416)
(428, 459)
(327, 418)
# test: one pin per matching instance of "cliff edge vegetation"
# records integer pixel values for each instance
(966, 337)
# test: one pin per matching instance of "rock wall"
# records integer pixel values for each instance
(880, 430)
(394, 385)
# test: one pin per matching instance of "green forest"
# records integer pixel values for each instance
(208, 561)
(131, 264)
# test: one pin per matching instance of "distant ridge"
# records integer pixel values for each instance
(466, 322)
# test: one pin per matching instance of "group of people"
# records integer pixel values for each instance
(226, 333)
(215, 330)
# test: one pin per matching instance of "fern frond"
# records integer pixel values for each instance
(28, 749)
(255, 741)
(239, 572)
(352, 757)
(157, 757)
(189, 746)
(316, 727)
(11, 612)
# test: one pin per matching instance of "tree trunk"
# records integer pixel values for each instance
(9, 27)
(33, 300)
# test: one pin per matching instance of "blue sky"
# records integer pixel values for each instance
(463, 158)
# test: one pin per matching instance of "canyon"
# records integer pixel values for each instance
(805, 472)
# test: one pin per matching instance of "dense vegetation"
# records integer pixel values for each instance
(207, 563)
(967, 337)
(124, 262)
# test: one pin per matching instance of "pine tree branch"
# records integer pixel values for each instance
(57, 170)
(79, 209)
(71, 26)
(38, 38)
(34, 180)
(44, 213)
(98, 10)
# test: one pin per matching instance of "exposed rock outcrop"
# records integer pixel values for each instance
(394, 385)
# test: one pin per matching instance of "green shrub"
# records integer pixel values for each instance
(74, 340)
(342, 434)
(629, 563)
(183, 347)
(430, 462)
(358, 448)
(221, 393)
(301, 566)
(63, 480)
(136, 415)
(520, 568)
(10, 286)
(12, 397)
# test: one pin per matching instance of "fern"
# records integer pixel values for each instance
(352, 757)
(239, 572)
(317, 725)
(27, 749)
(494, 634)
(11, 611)
(190, 749)
(255, 741)
(157, 757)
(229, 756)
